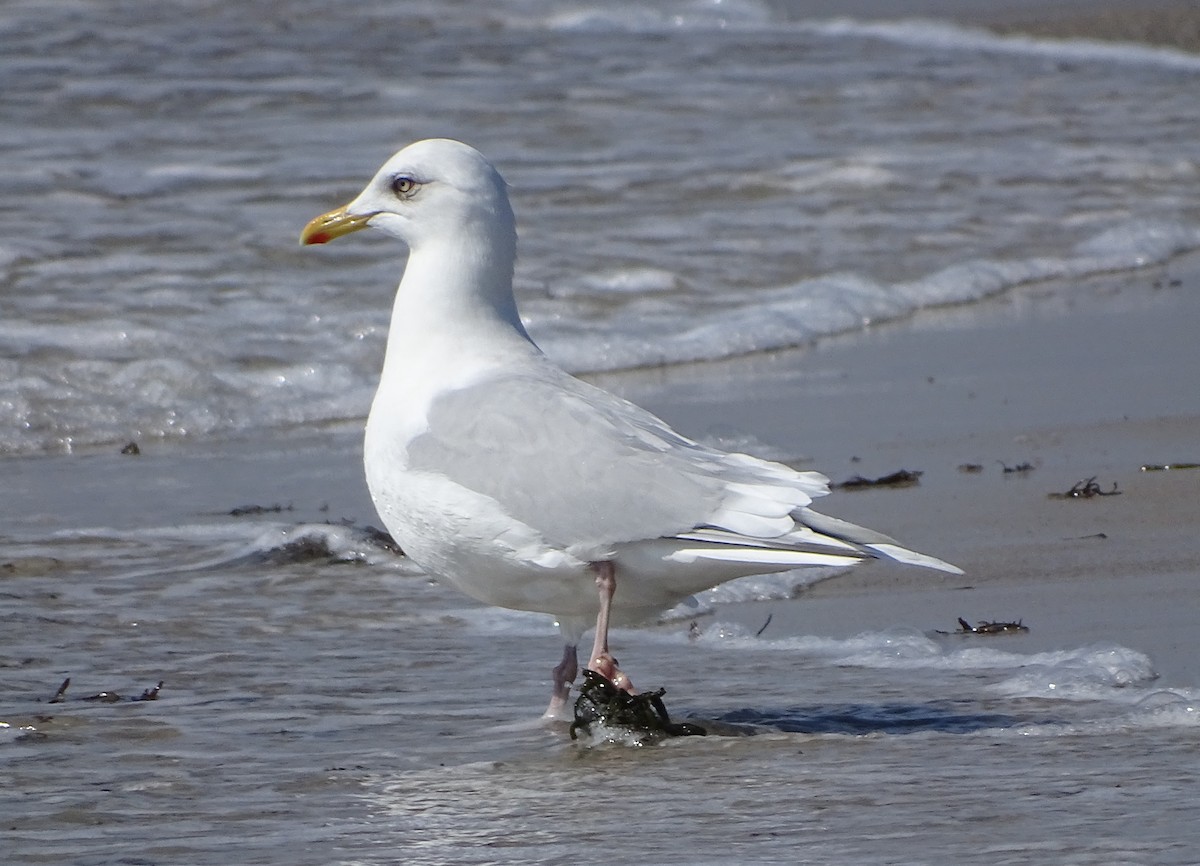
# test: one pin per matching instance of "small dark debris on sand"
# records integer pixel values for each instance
(31, 566)
(105, 697)
(600, 702)
(983, 627)
(1168, 467)
(131, 449)
(1085, 489)
(1019, 469)
(255, 510)
(900, 478)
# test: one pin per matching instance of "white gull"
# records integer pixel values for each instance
(525, 487)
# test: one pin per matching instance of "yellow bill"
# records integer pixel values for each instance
(326, 227)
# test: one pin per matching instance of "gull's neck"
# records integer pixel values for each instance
(454, 323)
(455, 307)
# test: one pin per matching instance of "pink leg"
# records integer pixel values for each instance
(564, 675)
(601, 660)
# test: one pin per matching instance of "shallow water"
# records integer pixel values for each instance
(322, 702)
(316, 714)
(692, 181)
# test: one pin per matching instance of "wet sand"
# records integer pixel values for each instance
(1171, 24)
(1077, 382)
(1166, 23)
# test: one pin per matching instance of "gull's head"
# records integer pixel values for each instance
(432, 190)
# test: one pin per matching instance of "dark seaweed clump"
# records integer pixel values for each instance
(601, 702)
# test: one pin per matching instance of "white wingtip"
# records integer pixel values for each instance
(911, 557)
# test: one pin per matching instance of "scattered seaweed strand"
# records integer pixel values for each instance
(1086, 489)
(899, 478)
(985, 627)
(105, 697)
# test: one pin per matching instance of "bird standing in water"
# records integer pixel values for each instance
(525, 487)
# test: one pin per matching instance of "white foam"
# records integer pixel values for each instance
(623, 15)
(894, 647)
(1160, 710)
(623, 281)
(1095, 672)
(14, 733)
(150, 382)
(765, 587)
(793, 315)
(1088, 673)
(1168, 708)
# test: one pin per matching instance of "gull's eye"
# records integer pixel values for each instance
(404, 186)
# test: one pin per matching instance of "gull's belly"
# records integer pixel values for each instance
(466, 538)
